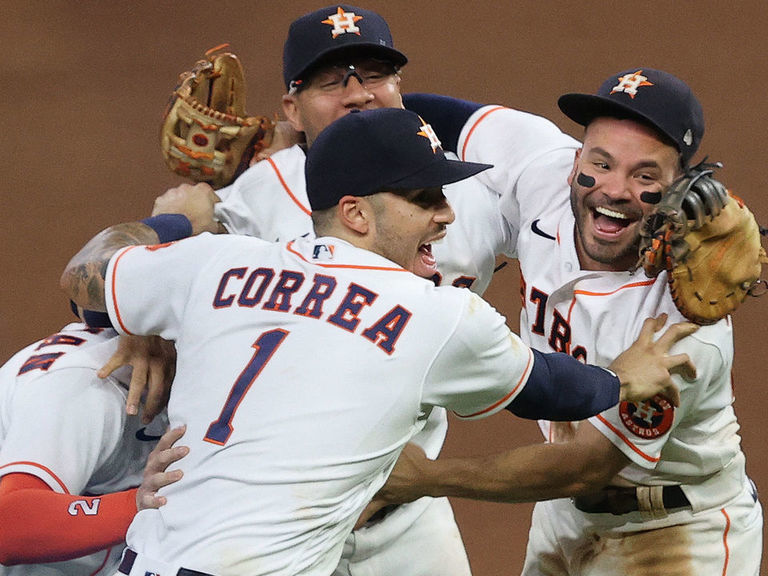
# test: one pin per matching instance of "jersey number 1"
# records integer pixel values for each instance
(221, 428)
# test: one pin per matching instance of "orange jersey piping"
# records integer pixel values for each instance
(471, 130)
(287, 188)
(525, 375)
(626, 440)
(114, 296)
(290, 249)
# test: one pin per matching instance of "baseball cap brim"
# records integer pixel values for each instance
(583, 108)
(366, 50)
(380, 150)
(437, 174)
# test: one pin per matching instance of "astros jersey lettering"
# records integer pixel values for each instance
(63, 424)
(593, 316)
(269, 201)
(303, 368)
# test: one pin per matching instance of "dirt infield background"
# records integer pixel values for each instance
(84, 85)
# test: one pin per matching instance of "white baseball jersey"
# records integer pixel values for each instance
(63, 424)
(303, 368)
(269, 201)
(593, 316)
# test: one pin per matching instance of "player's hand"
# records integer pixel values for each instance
(156, 473)
(153, 360)
(403, 484)
(283, 137)
(645, 368)
(196, 202)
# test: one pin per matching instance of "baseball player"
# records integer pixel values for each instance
(664, 488)
(63, 433)
(336, 335)
(270, 201)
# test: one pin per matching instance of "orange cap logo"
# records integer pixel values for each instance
(630, 83)
(428, 132)
(343, 22)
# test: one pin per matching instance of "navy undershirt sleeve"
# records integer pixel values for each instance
(560, 388)
(446, 115)
(92, 318)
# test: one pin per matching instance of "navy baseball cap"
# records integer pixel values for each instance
(371, 151)
(651, 96)
(336, 30)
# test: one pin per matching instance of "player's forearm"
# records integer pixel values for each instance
(83, 278)
(527, 474)
(62, 526)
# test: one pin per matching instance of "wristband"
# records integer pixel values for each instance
(169, 227)
(92, 318)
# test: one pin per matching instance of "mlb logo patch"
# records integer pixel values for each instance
(322, 252)
(151, 573)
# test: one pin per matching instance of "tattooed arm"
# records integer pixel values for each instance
(83, 278)
(153, 359)
(179, 212)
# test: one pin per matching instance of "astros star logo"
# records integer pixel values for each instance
(428, 132)
(630, 83)
(343, 22)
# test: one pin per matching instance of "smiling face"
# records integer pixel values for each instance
(328, 94)
(626, 159)
(406, 225)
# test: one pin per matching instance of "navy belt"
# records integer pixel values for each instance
(619, 500)
(129, 557)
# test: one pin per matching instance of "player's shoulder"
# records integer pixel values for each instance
(411, 287)
(471, 195)
(280, 169)
(282, 163)
(72, 337)
(712, 343)
(461, 301)
(529, 129)
(69, 358)
(295, 155)
(472, 319)
(717, 336)
(207, 245)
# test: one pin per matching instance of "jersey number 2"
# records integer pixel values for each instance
(221, 428)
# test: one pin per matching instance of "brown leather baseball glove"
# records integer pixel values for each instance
(708, 242)
(206, 134)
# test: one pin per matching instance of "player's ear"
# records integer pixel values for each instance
(575, 167)
(291, 111)
(355, 213)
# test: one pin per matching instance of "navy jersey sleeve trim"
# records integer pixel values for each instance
(560, 388)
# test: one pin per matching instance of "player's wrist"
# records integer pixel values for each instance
(169, 227)
(92, 318)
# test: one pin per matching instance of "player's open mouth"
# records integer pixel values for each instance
(608, 221)
(427, 258)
